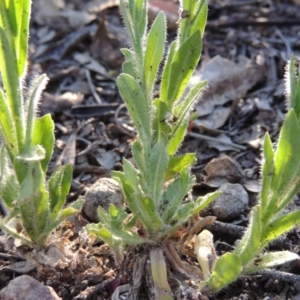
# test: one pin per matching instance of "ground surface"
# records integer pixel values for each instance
(245, 50)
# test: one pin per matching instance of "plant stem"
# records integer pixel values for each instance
(159, 275)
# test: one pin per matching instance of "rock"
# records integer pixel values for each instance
(231, 203)
(103, 192)
(27, 288)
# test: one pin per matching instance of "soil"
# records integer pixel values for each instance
(76, 43)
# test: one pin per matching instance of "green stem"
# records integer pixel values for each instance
(159, 275)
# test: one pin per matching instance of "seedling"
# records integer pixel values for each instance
(268, 220)
(156, 183)
(35, 208)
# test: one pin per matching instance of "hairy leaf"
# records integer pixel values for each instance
(59, 185)
(280, 226)
(221, 276)
(203, 202)
(293, 87)
(286, 179)
(154, 51)
(177, 163)
(157, 165)
(250, 243)
(43, 134)
(33, 201)
(174, 194)
(267, 174)
(176, 75)
(136, 103)
(270, 260)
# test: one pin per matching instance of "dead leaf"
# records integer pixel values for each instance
(227, 81)
(106, 159)
(183, 268)
(215, 119)
(253, 186)
(170, 9)
(90, 63)
(55, 104)
(106, 47)
(249, 134)
(78, 19)
(57, 50)
(78, 86)
(223, 142)
(68, 155)
(97, 6)
(222, 170)
(45, 11)
(20, 267)
(45, 34)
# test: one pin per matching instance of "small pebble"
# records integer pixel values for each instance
(103, 192)
(231, 203)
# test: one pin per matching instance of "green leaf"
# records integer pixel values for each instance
(176, 76)
(103, 216)
(184, 213)
(117, 216)
(131, 175)
(227, 270)
(9, 66)
(114, 236)
(177, 136)
(267, 174)
(270, 260)
(17, 22)
(140, 16)
(43, 134)
(136, 103)
(59, 185)
(203, 202)
(21, 17)
(293, 87)
(34, 97)
(182, 109)
(104, 234)
(62, 216)
(128, 65)
(149, 214)
(164, 87)
(77, 204)
(139, 204)
(159, 119)
(177, 163)
(286, 179)
(154, 51)
(132, 221)
(139, 156)
(181, 112)
(9, 186)
(135, 19)
(7, 128)
(195, 19)
(33, 201)
(250, 245)
(13, 232)
(20, 164)
(157, 165)
(174, 194)
(280, 226)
